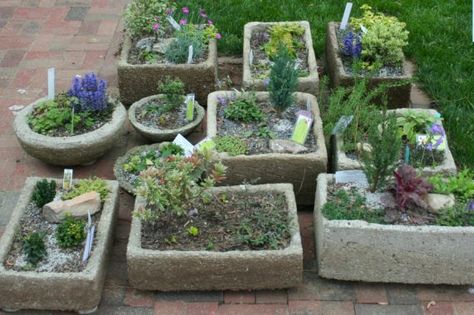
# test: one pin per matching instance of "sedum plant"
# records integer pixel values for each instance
(87, 185)
(284, 35)
(71, 232)
(231, 144)
(283, 80)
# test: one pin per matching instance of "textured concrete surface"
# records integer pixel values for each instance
(300, 170)
(357, 250)
(57, 291)
(174, 270)
(309, 84)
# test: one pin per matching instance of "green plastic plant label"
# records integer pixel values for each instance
(205, 144)
(67, 179)
(302, 127)
(190, 107)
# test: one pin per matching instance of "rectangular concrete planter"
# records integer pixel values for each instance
(174, 270)
(139, 81)
(397, 96)
(300, 170)
(309, 84)
(361, 251)
(73, 291)
(447, 167)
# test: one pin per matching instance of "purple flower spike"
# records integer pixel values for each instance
(352, 45)
(90, 92)
(470, 205)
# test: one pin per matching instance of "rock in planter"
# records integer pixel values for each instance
(447, 167)
(69, 151)
(308, 84)
(56, 211)
(139, 81)
(397, 96)
(158, 135)
(74, 291)
(360, 251)
(173, 270)
(300, 170)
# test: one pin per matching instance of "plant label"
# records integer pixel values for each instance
(190, 107)
(308, 105)
(302, 127)
(205, 144)
(437, 142)
(89, 238)
(363, 29)
(345, 17)
(353, 177)
(185, 144)
(342, 125)
(51, 83)
(67, 179)
(251, 57)
(190, 54)
(173, 23)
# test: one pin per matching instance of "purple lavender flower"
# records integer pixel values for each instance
(90, 92)
(352, 45)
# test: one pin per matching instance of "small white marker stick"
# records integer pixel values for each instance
(251, 56)
(173, 23)
(185, 144)
(190, 54)
(51, 83)
(363, 29)
(345, 17)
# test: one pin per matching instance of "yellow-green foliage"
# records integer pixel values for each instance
(71, 232)
(286, 35)
(385, 38)
(87, 185)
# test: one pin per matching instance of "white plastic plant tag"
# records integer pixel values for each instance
(89, 238)
(185, 144)
(190, 107)
(363, 29)
(353, 176)
(173, 23)
(345, 17)
(251, 57)
(206, 143)
(308, 105)
(67, 179)
(190, 54)
(51, 83)
(302, 126)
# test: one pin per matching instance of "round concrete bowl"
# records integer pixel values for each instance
(155, 134)
(68, 151)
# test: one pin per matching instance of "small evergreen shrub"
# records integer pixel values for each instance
(173, 89)
(283, 80)
(44, 192)
(34, 247)
(71, 232)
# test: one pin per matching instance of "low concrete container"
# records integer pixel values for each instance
(447, 167)
(361, 251)
(157, 135)
(174, 270)
(72, 291)
(308, 84)
(300, 170)
(69, 151)
(397, 96)
(139, 81)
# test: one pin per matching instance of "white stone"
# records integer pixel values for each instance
(287, 146)
(283, 125)
(436, 202)
(55, 211)
(162, 45)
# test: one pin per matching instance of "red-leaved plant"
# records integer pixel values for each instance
(410, 189)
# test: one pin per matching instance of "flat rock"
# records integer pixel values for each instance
(283, 125)
(145, 43)
(287, 146)
(55, 211)
(162, 45)
(436, 202)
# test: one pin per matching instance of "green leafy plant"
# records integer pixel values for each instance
(284, 35)
(140, 15)
(193, 231)
(140, 161)
(412, 123)
(244, 108)
(44, 192)
(34, 247)
(87, 185)
(189, 35)
(459, 215)
(385, 145)
(283, 80)
(231, 144)
(173, 89)
(461, 184)
(71, 232)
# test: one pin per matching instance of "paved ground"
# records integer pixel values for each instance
(76, 36)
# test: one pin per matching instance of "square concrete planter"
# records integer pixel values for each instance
(397, 96)
(300, 170)
(447, 167)
(174, 270)
(361, 251)
(308, 84)
(139, 81)
(72, 291)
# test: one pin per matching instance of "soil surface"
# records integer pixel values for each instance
(149, 115)
(231, 221)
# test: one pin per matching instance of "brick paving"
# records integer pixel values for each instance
(76, 36)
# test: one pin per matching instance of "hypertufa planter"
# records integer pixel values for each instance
(397, 96)
(361, 251)
(447, 167)
(73, 291)
(174, 270)
(69, 151)
(300, 170)
(308, 84)
(139, 81)
(157, 135)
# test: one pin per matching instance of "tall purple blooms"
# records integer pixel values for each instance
(435, 130)
(352, 45)
(90, 92)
